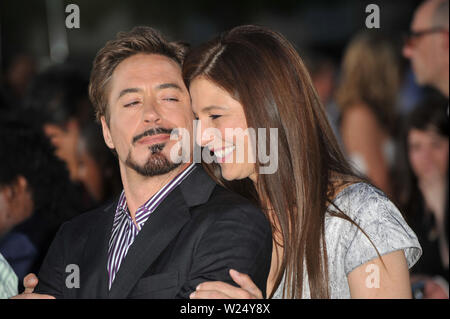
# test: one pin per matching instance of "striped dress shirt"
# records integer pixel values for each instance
(124, 231)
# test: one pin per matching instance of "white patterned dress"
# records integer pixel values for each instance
(348, 247)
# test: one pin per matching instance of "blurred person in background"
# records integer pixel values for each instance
(58, 97)
(366, 96)
(422, 192)
(97, 166)
(4, 101)
(427, 45)
(36, 195)
(323, 74)
(59, 102)
(8, 279)
(20, 70)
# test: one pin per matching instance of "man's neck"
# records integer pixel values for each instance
(139, 189)
(444, 87)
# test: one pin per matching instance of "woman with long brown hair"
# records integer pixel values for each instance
(329, 226)
(367, 97)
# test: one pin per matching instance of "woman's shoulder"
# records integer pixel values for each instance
(359, 197)
(358, 111)
(382, 225)
(361, 119)
(365, 208)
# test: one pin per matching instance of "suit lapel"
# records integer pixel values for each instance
(158, 231)
(94, 275)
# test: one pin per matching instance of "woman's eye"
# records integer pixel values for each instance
(215, 116)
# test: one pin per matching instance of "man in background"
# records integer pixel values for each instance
(427, 46)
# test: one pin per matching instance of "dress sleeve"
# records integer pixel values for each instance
(383, 224)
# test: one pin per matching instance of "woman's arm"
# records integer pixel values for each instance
(370, 280)
(373, 280)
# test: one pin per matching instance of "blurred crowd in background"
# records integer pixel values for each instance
(385, 95)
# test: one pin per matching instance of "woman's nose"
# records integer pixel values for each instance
(202, 137)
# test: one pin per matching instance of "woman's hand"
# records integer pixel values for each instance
(221, 290)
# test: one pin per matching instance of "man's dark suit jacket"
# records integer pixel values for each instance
(197, 234)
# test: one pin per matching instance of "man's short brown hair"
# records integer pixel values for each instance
(139, 40)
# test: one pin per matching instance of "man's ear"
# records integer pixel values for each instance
(8, 192)
(22, 183)
(106, 133)
(18, 186)
(72, 125)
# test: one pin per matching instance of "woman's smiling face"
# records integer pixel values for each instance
(222, 129)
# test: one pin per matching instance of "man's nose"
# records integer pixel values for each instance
(150, 112)
(407, 51)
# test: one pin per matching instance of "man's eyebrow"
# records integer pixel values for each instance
(159, 87)
(128, 90)
(169, 86)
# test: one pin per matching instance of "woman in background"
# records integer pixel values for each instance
(422, 194)
(366, 96)
(36, 195)
(97, 167)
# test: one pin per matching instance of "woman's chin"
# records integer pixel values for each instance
(227, 172)
(231, 174)
(228, 177)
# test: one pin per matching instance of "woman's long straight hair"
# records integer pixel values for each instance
(263, 71)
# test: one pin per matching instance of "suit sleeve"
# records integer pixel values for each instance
(51, 273)
(240, 239)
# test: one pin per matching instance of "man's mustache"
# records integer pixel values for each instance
(152, 131)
